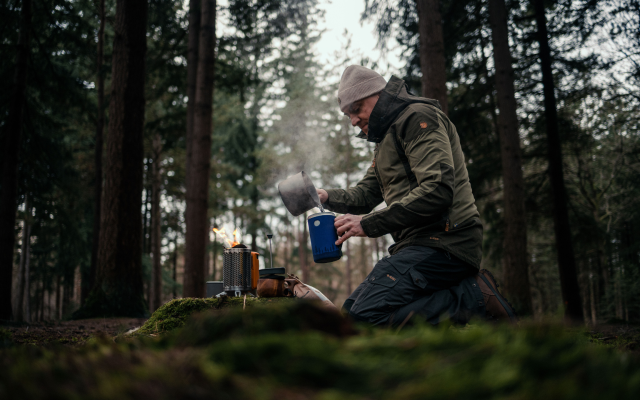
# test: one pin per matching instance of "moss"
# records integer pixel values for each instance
(624, 338)
(175, 313)
(278, 353)
(284, 317)
(5, 338)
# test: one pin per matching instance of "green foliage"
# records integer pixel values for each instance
(273, 353)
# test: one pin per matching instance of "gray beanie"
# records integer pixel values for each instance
(357, 83)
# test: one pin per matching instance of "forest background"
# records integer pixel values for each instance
(275, 114)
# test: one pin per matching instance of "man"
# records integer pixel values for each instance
(418, 169)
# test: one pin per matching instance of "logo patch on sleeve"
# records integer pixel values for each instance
(423, 125)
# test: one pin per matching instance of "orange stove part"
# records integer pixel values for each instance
(255, 270)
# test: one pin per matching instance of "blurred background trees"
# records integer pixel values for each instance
(274, 114)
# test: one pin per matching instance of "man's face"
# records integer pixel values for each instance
(360, 111)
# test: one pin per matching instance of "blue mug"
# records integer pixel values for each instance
(323, 237)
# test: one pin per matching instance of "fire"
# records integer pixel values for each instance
(226, 239)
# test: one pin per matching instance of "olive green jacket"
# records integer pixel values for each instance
(429, 196)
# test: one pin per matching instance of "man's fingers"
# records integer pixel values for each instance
(343, 238)
(347, 226)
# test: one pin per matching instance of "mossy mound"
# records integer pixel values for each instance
(282, 318)
(175, 313)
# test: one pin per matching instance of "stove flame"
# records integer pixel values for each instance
(227, 242)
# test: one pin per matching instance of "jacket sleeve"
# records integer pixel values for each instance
(428, 150)
(361, 199)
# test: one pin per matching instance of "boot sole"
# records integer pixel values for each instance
(503, 302)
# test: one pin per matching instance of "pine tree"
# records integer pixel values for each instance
(118, 290)
(432, 59)
(198, 175)
(514, 259)
(564, 245)
(11, 145)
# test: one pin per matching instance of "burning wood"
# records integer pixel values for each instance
(227, 242)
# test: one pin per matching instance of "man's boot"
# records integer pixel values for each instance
(498, 308)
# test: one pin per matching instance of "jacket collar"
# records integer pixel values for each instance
(393, 100)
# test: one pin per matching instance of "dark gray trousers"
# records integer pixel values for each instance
(420, 281)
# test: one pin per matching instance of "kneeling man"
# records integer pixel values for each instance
(418, 169)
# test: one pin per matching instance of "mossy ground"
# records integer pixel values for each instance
(175, 313)
(296, 350)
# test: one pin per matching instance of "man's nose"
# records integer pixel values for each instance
(354, 120)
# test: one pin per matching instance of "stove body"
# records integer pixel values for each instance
(240, 271)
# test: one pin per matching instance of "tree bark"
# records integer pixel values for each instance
(40, 314)
(192, 71)
(27, 282)
(11, 149)
(214, 250)
(119, 290)
(58, 297)
(514, 261)
(347, 250)
(86, 287)
(156, 232)
(199, 162)
(24, 255)
(432, 60)
(566, 260)
(175, 267)
(302, 250)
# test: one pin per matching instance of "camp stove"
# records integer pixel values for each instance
(240, 271)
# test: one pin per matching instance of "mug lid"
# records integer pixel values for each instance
(321, 213)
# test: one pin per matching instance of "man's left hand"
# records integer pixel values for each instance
(348, 226)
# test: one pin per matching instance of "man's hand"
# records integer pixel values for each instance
(348, 226)
(323, 195)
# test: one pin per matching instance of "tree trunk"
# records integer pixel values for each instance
(175, 267)
(24, 254)
(58, 298)
(199, 163)
(192, 71)
(207, 261)
(514, 261)
(119, 290)
(347, 249)
(41, 302)
(432, 61)
(592, 298)
(87, 286)
(156, 232)
(564, 247)
(304, 264)
(69, 286)
(214, 250)
(11, 149)
(27, 283)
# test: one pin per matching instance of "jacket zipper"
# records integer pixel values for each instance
(375, 168)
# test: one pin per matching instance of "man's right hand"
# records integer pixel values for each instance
(323, 195)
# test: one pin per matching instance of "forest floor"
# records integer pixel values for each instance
(291, 349)
(620, 336)
(70, 332)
